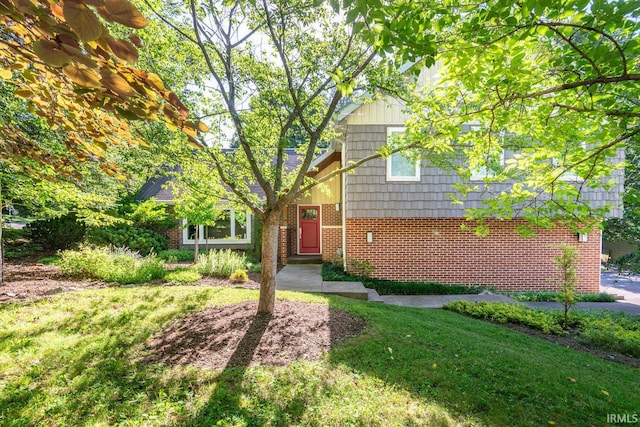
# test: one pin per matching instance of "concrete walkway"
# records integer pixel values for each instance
(308, 278)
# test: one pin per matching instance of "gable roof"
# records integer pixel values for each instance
(158, 188)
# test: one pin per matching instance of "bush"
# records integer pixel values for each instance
(127, 236)
(111, 265)
(176, 255)
(151, 215)
(629, 262)
(18, 244)
(239, 276)
(50, 260)
(547, 322)
(57, 233)
(254, 267)
(182, 275)
(545, 296)
(616, 331)
(220, 263)
(331, 272)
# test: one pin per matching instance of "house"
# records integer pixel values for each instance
(396, 217)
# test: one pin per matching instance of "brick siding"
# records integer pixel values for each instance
(438, 250)
(173, 234)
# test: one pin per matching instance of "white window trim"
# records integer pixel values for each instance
(187, 241)
(416, 177)
(480, 174)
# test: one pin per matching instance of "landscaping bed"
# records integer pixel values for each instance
(392, 287)
(610, 335)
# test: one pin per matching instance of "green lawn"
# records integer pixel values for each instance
(75, 360)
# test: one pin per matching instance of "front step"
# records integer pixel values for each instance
(374, 296)
(304, 259)
(354, 290)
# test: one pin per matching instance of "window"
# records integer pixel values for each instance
(399, 167)
(493, 164)
(232, 226)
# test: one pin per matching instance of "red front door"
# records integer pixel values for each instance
(309, 229)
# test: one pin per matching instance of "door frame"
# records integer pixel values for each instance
(298, 228)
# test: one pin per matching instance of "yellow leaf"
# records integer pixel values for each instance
(48, 51)
(552, 423)
(83, 77)
(571, 380)
(123, 50)
(116, 83)
(6, 74)
(23, 93)
(122, 12)
(82, 21)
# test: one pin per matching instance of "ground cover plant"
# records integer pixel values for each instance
(547, 296)
(111, 265)
(220, 263)
(176, 255)
(82, 358)
(331, 272)
(598, 328)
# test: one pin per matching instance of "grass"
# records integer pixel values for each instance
(75, 359)
(391, 287)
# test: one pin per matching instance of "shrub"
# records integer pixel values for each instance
(220, 263)
(127, 236)
(617, 331)
(176, 255)
(254, 267)
(111, 265)
(629, 262)
(151, 215)
(334, 273)
(567, 262)
(182, 275)
(239, 276)
(18, 244)
(545, 296)
(546, 321)
(57, 233)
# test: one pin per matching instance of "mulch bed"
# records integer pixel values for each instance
(234, 335)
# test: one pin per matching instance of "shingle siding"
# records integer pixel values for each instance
(370, 195)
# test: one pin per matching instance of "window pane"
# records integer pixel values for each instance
(311, 214)
(191, 232)
(222, 228)
(241, 225)
(401, 166)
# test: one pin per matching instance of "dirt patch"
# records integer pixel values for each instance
(28, 281)
(571, 341)
(233, 335)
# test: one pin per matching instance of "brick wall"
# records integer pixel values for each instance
(331, 231)
(282, 245)
(173, 234)
(436, 249)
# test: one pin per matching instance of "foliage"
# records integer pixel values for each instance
(556, 84)
(176, 255)
(57, 233)
(49, 260)
(629, 262)
(16, 243)
(151, 215)
(619, 332)
(362, 268)
(220, 263)
(446, 369)
(182, 275)
(128, 236)
(546, 296)
(567, 263)
(509, 313)
(239, 276)
(64, 62)
(254, 267)
(627, 228)
(111, 265)
(603, 328)
(331, 272)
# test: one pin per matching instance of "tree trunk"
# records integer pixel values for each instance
(270, 230)
(196, 248)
